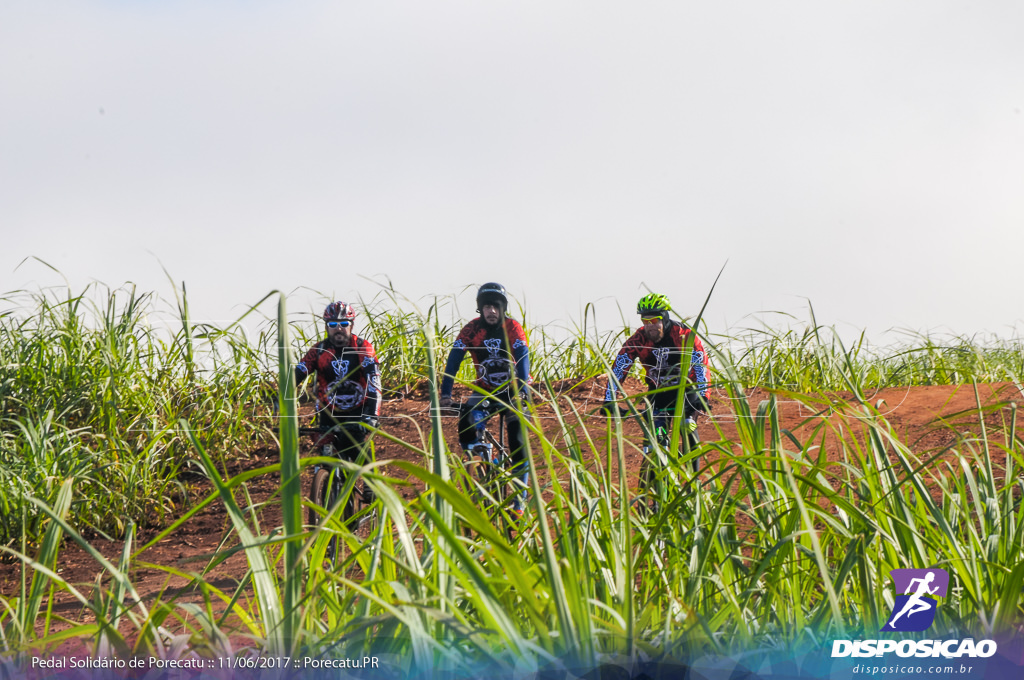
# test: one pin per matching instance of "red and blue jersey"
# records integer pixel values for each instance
(662, 360)
(347, 378)
(498, 351)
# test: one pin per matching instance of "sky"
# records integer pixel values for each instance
(867, 157)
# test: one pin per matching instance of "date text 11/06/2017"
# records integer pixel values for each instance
(258, 662)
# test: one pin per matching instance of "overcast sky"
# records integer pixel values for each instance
(868, 156)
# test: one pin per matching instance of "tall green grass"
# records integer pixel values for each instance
(813, 358)
(775, 546)
(91, 389)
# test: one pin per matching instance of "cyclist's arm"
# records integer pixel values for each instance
(521, 356)
(693, 403)
(699, 366)
(455, 358)
(371, 404)
(698, 388)
(306, 366)
(623, 362)
(516, 337)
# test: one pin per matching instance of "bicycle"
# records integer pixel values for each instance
(330, 482)
(661, 424)
(488, 460)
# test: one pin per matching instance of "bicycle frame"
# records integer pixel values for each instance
(332, 482)
(657, 438)
(484, 435)
(491, 467)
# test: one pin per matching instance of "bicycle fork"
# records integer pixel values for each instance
(481, 447)
(485, 451)
(649, 476)
(360, 496)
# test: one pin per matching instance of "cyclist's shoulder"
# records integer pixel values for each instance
(319, 347)
(514, 329)
(471, 328)
(360, 342)
(637, 340)
(680, 330)
(475, 332)
(363, 347)
(682, 335)
(687, 331)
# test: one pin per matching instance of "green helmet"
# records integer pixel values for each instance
(653, 304)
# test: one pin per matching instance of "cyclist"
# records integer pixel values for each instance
(661, 346)
(501, 357)
(347, 382)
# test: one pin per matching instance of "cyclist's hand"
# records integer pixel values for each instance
(695, 403)
(690, 425)
(446, 402)
(371, 421)
(610, 408)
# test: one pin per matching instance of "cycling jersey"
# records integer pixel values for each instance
(661, 361)
(494, 362)
(347, 378)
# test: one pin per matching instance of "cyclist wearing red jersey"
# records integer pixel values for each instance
(501, 357)
(661, 346)
(347, 381)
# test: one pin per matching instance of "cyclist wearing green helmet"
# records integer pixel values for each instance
(661, 346)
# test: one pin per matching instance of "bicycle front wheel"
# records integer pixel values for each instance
(321, 496)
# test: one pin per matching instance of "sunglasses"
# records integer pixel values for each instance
(335, 324)
(648, 320)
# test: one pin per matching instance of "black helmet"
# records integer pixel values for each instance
(493, 293)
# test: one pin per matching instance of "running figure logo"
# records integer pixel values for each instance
(914, 610)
